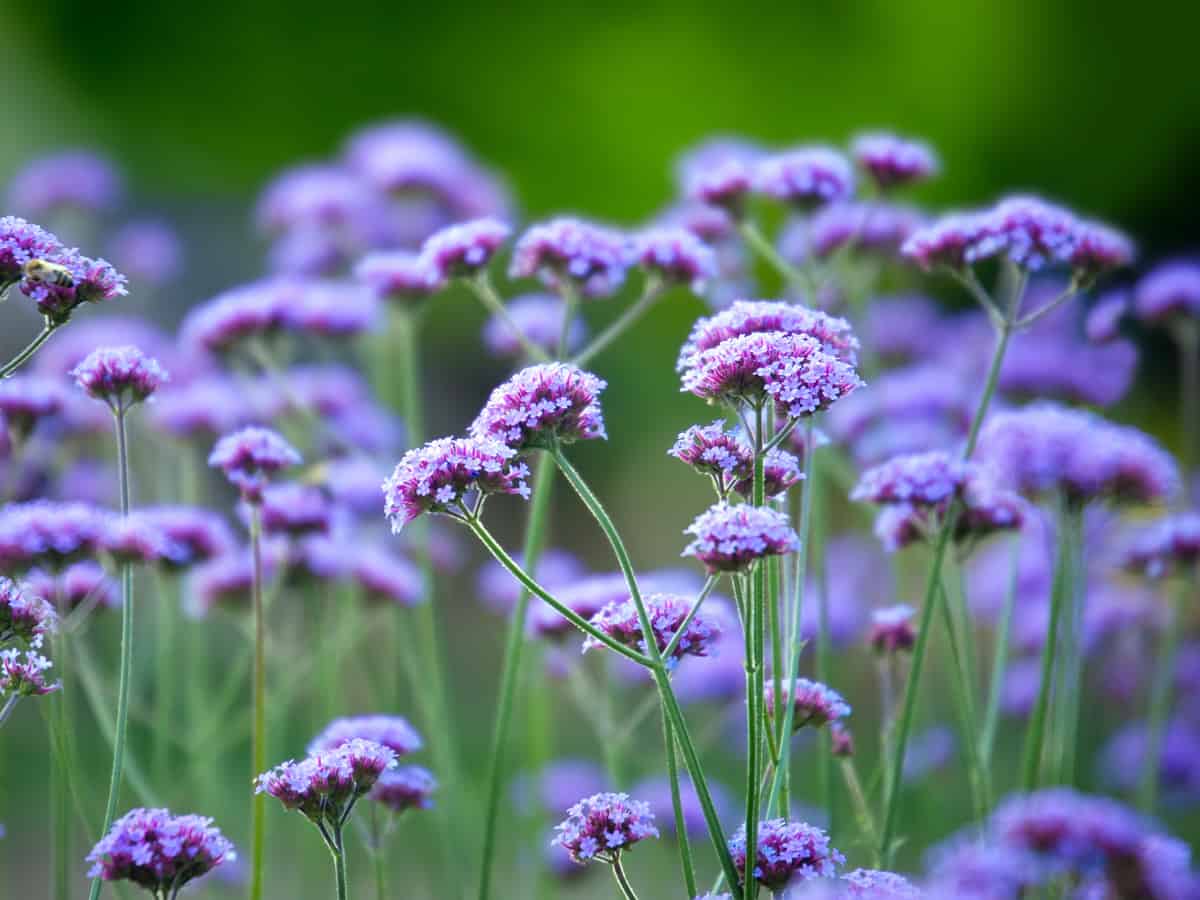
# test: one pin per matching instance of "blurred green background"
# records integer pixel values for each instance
(582, 109)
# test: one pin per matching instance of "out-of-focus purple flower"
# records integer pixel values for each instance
(893, 161)
(317, 196)
(563, 781)
(1100, 248)
(841, 740)
(1097, 375)
(250, 456)
(903, 327)
(23, 672)
(586, 596)
(925, 479)
(781, 470)
(498, 590)
(929, 751)
(1171, 544)
(873, 884)
(1171, 289)
(27, 399)
(710, 224)
(746, 317)
(732, 538)
(981, 870)
(405, 788)
(1022, 680)
(393, 732)
(656, 792)
(859, 227)
(48, 535)
(324, 786)
(814, 703)
(120, 376)
(667, 613)
(719, 173)
(543, 406)
(71, 346)
(139, 539)
(223, 581)
(786, 852)
(147, 251)
(986, 508)
(1103, 323)
(329, 309)
(257, 309)
(675, 255)
(205, 408)
(462, 250)
(158, 851)
(602, 826)
(24, 614)
(807, 177)
(445, 473)
(540, 319)
(71, 180)
(397, 276)
(84, 583)
(386, 576)
(589, 256)
(1045, 448)
(195, 533)
(947, 242)
(1123, 758)
(295, 509)
(892, 629)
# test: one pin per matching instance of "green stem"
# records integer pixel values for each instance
(1072, 666)
(991, 719)
(650, 294)
(681, 832)
(259, 742)
(166, 664)
(481, 286)
(1187, 336)
(622, 879)
(764, 248)
(535, 532)
(755, 686)
(380, 866)
(126, 665)
(862, 809)
(30, 349)
(961, 690)
(338, 851)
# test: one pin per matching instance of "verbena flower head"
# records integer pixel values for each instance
(71, 180)
(60, 283)
(48, 534)
(985, 870)
(149, 252)
(675, 255)
(791, 369)
(20, 242)
(841, 740)
(295, 509)
(120, 376)
(195, 533)
(23, 672)
(393, 732)
(1103, 323)
(158, 851)
(807, 177)
(925, 479)
(731, 538)
(720, 173)
(893, 161)
(405, 788)
(27, 399)
(603, 826)
(250, 456)
(873, 884)
(252, 310)
(591, 257)
(781, 470)
(397, 276)
(1169, 290)
(1099, 248)
(445, 473)
(715, 451)
(318, 196)
(667, 612)
(786, 852)
(864, 228)
(137, 539)
(325, 785)
(1172, 544)
(892, 629)
(540, 319)
(23, 613)
(541, 406)
(745, 317)
(463, 250)
(79, 584)
(814, 703)
(385, 576)
(329, 309)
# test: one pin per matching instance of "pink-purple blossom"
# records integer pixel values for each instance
(24, 614)
(80, 180)
(159, 851)
(120, 376)
(462, 250)
(393, 732)
(813, 703)
(1168, 290)
(892, 629)
(746, 317)
(23, 672)
(893, 161)
(250, 456)
(404, 788)
(1167, 546)
(603, 826)
(540, 318)
(590, 257)
(731, 538)
(543, 406)
(325, 785)
(786, 852)
(398, 276)
(675, 256)
(667, 613)
(808, 177)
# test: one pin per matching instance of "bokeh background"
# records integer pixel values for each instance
(583, 109)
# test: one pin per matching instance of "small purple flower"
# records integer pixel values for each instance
(325, 785)
(317, 196)
(206, 408)
(893, 161)
(393, 732)
(250, 456)
(602, 826)
(84, 583)
(158, 851)
(808, 177)
(23, 672)
(675, 255)
(27, 399)
(1164, 547)
(385, 576)
(148, 251)
(48, 535)
(925, 479)
(139, 540)
(970, 868)
(714, 451)
(560, 783)
(61, 283)
(814, 703)
(120, 376)
(462, 250)
(329, 309)
(70, 180)
(24, 614)
(397, 276)
(667, 613)
(1169, 290)
(295, 509)
(944, 243)
(892, 629)
(540, 319)
(195, 533)
(786, 852)
(873, 884)
(543, 406)
(21, 242)
(443, 474)
(731, 538)
(1123, 759)
(1099, 249)
(745, 317)
(591, 257)
(863, 228)
(405, 788)
(720, 173)
(257, 309)
(841, 740)
(1103, 323)
(224, 580)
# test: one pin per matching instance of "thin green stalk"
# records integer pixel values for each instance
(535, 533)
(126, 665)
(259, 742)
(991, 718)
(60, 784)
(755, 686)
(681, 832)
(764, 248)
(1160, 693)
(481, 286)
(380, 866)
(960, 689)
(338, 850)
(862, 809)
(622, 879)
(650, 294)
(31, 348)
(166, 665)
(570, 298)
(1187, 336)
(1067, 724)
(824, 675)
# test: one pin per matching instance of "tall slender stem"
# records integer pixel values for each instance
(535, 531)
(126, 665)
(991, 718)
(1187, 336)
(764, 248)
(481, 286)
(31, 348)
(258, 751)
(9, 705)
(622, 879)
(681, 832)
(650, 294)
(338, 850)
(755, 608)
(1071, 681)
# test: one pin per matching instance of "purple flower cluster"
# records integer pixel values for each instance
(149, 251)
(71, 180)
(23, 613)
(194, 533)
(725, 457)
(82, 583)
(675, 255)
(720, 173)
(440, 476)
(786, 852)
(813, 703)
(925, 479)
(26, 400)
(745, 317)
(543, 406)
(731, 538)
(120, 376)
(808, 177)
(49, 535)
(540, 318)
(603, 826)
(397, 276)
(462, 250)
(879, 229)
(667, 613)
(590, 257)
(873, 884)
(158, 851)
(23, 672)
(325, 785)
(295, 509)
(405, 788)
(1172, 289)
(393, 732)
(893, 161)
(892, 629)
(250, 456)
(1171, 544)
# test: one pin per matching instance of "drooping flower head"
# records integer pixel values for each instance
(1171, 544)
(158, 851)
(591, 257)
(70, 180)
(250, 456)
(667, 613)
(1169, 290)
(731, 538)
(542, 406)
(807, 178)
(405, 788)
(786, 852)
(462, 250)
(445, 473)
(540, 318)
(397, 276)
(393, 732)
(675, 255)
(745, 317)
(893, 161)
(120, 376)
(23, 613)
(325, 785)
(892, 629)
(602, 826)
(814, 703)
